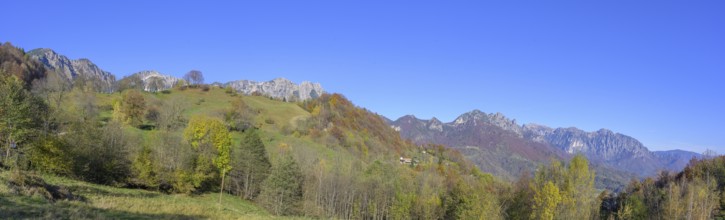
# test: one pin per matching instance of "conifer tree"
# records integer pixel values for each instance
(282, 190)
(251, 164)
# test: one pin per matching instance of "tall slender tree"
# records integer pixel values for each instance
(282, 190)
(251, 164)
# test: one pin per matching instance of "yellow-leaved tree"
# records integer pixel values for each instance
(210, 139)
(545, 202)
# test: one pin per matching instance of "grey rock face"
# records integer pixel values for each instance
(155, 81)
(72, 69)
(279, 88)
(477, 116)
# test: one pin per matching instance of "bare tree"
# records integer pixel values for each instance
(194, 78)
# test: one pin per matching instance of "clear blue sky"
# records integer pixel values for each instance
(654, 70)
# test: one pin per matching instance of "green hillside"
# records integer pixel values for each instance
(93, 201)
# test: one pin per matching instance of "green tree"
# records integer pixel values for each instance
(144, 168)
(282, 190)
(579, 198)
(545, 202)
(133, 107)
(19, 115)
(251, 164)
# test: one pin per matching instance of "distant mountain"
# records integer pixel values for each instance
(604, 146)
(279, 88)
(501, 146)
(155, 81)
(676, 159)
(73, 69)
(487, 140)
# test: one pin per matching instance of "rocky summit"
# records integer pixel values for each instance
(155, 81)
(73, 69)
(279, 88)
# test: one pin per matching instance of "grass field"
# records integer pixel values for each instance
(106, 202)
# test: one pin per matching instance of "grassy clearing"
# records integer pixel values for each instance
(105, 202)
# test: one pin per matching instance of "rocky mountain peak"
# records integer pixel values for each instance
(279, 88)
(155, 81)
(72, 69)
(435, 124)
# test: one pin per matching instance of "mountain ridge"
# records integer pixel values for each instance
(152, 80)
(72, 69)
(604, 147)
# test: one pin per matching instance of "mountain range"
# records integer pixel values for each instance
(501, 146)
(70, 70)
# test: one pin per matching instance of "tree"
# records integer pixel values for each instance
(19, 111)
(212, 141)
(171, 116)
(251, 164)
(282, 190)
(133, 107)
(194, 78)
(130, 82)
(240, 116)
(580, 201)
(100, 155)
(545, 202)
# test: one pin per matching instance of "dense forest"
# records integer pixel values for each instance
(321, 158)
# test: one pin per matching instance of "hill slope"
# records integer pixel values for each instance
(92, 201)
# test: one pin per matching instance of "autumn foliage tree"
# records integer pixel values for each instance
(211, 142)
(133, 107)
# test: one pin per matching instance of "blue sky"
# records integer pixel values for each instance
(654, 70)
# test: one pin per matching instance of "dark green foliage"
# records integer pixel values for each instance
(20, 120)
(144, 169)
(100, 155)
(251, 166)
(282, 190)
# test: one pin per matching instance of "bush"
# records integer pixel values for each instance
(269, 121)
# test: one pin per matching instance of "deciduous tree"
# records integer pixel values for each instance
(133, 107)
(194, 78)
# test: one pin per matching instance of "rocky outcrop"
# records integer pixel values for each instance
(279, 88)
(155, 81)
(73, 69)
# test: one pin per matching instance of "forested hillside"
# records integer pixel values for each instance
(199, 151)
